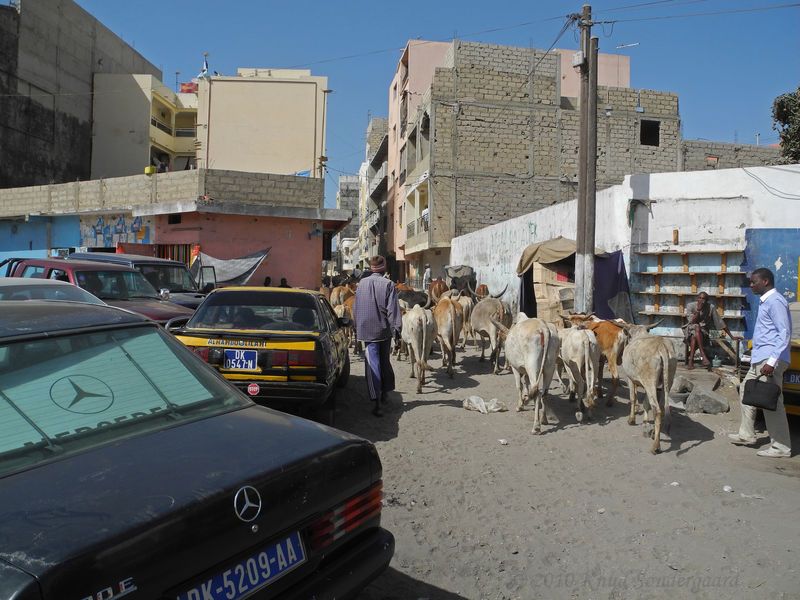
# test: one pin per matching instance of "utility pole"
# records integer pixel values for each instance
(591, 181)
(583, 156)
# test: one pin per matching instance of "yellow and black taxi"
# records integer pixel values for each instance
(791, 377)
(130, 468)
(284, 347)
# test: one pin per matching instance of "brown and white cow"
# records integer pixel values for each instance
(419, 331)
(485, 316)
(467, 305)
(611, 338)
(343, 311)
(449, 318)
(649, 361)
(350, 302)
(341, 293)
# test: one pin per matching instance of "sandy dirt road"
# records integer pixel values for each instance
(581, 511)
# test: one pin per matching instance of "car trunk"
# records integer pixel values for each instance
(157, 512)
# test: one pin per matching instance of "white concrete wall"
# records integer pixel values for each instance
(261, 124)
(710, 210)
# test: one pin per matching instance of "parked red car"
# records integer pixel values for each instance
(116, 285)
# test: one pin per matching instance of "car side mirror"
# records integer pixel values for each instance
(176, 323)
(164, 293)
(344, 322)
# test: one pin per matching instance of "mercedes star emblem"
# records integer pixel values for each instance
(247, 503)
(82, 394)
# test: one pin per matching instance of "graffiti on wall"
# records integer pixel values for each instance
(107, 230)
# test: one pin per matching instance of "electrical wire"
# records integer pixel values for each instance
(772, 190)
(703, 14)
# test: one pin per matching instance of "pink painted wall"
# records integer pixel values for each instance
(422, 58)
(294, 255)
(614, 70)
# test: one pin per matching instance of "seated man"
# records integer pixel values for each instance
(702, 317)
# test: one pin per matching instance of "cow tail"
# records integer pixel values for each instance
(544, 337)
(422, 359)
(588, 375)
(454, 333)
(666, 380)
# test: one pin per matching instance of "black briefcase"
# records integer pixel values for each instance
(761, 394)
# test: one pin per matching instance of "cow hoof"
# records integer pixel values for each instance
(655, 450)
(579, 416)
(536, 432)
(631, 421)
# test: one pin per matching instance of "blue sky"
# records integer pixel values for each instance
(726, 66)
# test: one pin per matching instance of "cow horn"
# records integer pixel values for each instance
(433, 295)
(501, 293)
(428, 304)
(654, 325)
(471, 291)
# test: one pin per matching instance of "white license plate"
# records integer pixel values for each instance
(792, 377)
(251, 573)
(241, 360)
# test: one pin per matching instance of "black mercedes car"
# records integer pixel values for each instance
(128, 467)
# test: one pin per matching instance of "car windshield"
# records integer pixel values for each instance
(61, 395)
(48, 292)
(267, 310)
(172, 277)
(116, 285)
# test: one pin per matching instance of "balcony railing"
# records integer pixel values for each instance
(373, 217)
(416, 227)
(160, 125)
(188, 132)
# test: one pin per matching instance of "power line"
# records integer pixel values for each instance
(703, 14)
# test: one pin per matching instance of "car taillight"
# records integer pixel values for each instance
(346, 517)
(302, 358)
(202, 352)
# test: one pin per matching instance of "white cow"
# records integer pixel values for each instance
(529, 343)
(419, 331)
(580, 355)
(649, 361)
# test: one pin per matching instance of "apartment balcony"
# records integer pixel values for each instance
(373, 218)
(377, 183)
(176, 140)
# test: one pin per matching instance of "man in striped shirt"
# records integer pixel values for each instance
(377, 315)
(770, 358)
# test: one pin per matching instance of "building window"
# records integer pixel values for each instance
(649, 133)
(174, 219)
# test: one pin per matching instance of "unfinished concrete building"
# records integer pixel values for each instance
(494, 138)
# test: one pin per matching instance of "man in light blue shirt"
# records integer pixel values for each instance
(770, 359)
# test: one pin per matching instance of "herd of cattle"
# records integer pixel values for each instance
(536, 351)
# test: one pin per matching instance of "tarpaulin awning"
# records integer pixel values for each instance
(549, 252)
(232, 271)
